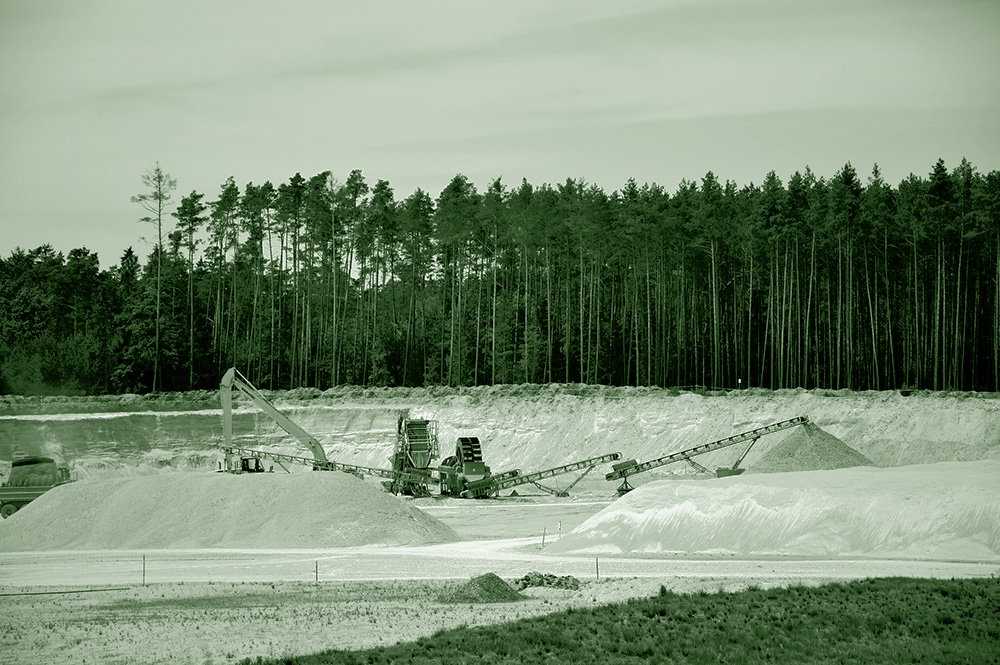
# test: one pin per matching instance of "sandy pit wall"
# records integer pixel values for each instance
(529, 427)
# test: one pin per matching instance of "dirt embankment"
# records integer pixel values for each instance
(527, 427)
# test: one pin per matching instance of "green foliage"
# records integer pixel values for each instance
(890, 620)
(315, 283)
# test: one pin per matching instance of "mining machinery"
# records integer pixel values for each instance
(234, 380)
(465, 474)
(415, 449)
(623, 470)
(493, 485)
(412, 472)
(416, 444)
(30, 477)
(242, 454)
(464, 467)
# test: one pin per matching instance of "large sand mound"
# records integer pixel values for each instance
(809, 448)
(949, 510)
(201, 510)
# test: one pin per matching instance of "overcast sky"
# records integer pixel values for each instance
(93, 93)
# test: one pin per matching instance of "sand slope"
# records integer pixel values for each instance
(949, 510)
(535, 427)
(201, 510)
(530, 427)
(809, 448)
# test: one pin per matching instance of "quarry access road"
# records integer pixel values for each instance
(509, 558)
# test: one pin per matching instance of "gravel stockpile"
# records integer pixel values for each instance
(488, 588)
(809, 448)
(913, 512)
(206, 510)
(536, 579)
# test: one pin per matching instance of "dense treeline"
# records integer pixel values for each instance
(835, 283)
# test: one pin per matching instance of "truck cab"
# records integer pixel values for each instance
(29, 478)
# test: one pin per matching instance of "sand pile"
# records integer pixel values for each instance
(204, 510)
(488, 588)
(809, 448)
(949, 510)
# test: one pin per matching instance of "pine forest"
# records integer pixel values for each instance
(841, 281)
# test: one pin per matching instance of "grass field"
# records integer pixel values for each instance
(885, 620)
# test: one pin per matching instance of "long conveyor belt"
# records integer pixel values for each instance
(630, 469)
(491, 486)
(326, 465)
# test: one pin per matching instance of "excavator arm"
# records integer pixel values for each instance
(234, 380)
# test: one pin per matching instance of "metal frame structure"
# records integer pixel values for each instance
(495, 484)
(630, 468)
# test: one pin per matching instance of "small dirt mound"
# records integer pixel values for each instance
(536, 579)
(809, 448)
(488, 588)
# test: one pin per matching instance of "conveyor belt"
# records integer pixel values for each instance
(626, 469)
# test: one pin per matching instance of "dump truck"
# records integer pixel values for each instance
(30, 477)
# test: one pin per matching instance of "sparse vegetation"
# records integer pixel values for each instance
(890, 620)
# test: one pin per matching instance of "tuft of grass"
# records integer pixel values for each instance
(885, 620)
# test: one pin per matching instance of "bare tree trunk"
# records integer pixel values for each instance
(548, 317)
(808, 322)
(713, 250)
(840, 312)
(956, 382)
(938, 306)
(582, 350)
(874, 375)
(479, 325)
(335, 325)
(649, 327)
(750, 354)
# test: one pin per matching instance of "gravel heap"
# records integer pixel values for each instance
(217, 510)
(488, 588)
(809, 448)
(536, 579)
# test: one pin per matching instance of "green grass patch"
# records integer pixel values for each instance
(885, 620)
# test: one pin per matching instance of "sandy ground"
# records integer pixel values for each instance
(220, 606)
(205, 601)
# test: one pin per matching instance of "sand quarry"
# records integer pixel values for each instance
(152, 556)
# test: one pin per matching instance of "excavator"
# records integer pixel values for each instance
(416, 444)
(232, 379)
